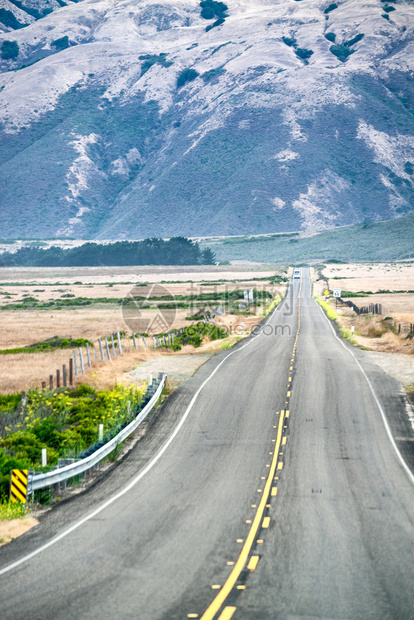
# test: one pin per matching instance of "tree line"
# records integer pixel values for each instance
(174, 251)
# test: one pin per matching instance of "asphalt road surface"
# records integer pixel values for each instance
(276, 493)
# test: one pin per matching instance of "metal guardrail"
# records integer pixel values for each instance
(41, 480)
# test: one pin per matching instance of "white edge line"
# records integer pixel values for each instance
(137, 478)
(381, 410)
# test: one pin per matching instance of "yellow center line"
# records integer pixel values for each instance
(241, 562)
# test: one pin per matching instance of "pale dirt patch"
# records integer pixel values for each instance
(375, 277)
(398, 366)
(177, 367)
(139, 273)
(14, 528)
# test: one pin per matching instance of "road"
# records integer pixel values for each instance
(278, 495)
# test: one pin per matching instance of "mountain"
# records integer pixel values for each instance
(129, 119)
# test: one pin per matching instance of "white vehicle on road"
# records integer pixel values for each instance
(296, 274)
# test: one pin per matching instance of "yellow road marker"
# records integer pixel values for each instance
(259, 490)
(287, 413)
(241, 587)
(266, 522)
(280, 465)
(273, 440)
(283, 441)
(192, 615)
(290, 379)
(291, 368)
(254, 560)
(239, 540)
(288, 394)
(268, 465)
(227, 613)
(254, 505)
(218, 601)
(270, 452)
(230, 563)
(248, 521)
(274, 491)
(268, 505)
(215, 587)
(263, 477)
(260, 540)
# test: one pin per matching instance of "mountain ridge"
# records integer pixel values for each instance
(100, 140)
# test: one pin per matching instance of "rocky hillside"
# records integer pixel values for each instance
(132, 118)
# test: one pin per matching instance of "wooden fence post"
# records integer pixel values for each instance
(51, 382)
(64, 376)
(70, 371)
(58, 378)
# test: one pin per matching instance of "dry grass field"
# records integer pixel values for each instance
(22, 327)
(373, 331)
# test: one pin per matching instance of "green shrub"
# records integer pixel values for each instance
(331, 36)
(341, 51)
(388, 9)
(187, 75)
(303, 53)
(213, 73)
(356, 39)
(8, 19)
(9, 50)
(211, 9)
(151, 59)
(291, 42)
(330, 8)
(218, 22)
(62, 43)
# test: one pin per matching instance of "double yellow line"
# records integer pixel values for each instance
(258, 521)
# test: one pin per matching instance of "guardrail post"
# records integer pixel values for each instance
(64, 376)
(100, 432)
(144, 341)
(113, 345)
(134, 341)
(75, 363)
(44, 457)
(81, 360)
(155, 342)
(70, 371)
(88, 355)
(101, 350)
(119, 343)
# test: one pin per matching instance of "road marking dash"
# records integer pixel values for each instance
(266, 522)
(254, 560)
(248, 521)
(287, 413)
(288, 394)
(274, 491)
(215, 587)
(230, 563)
(260, 540)
(227, 613)
(283, 441)
(241, 587)
(280, 465)
(192, 615)
(239, 540)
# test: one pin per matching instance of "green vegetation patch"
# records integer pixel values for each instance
(154, 59)
(341, 51)
(331, 36)
(65, 422)
(187, 75)
(9, 50)
(61, 44)
(48, 345)
(330, 8)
